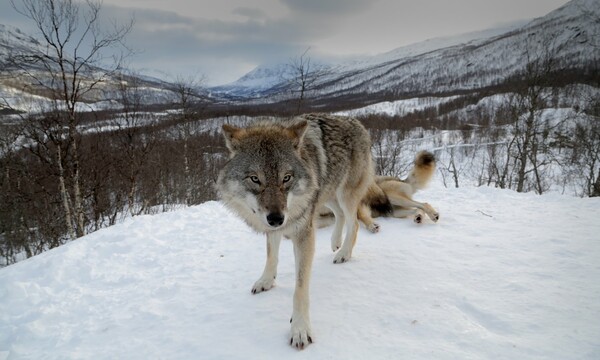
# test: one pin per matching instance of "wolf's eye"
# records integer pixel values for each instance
(287, 178)
(255, 179)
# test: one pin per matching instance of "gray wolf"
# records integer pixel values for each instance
(390, 196)
(277, 175)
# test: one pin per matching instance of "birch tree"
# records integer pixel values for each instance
(303, 78)
(189, 102)
(76, 58)
(529, 131)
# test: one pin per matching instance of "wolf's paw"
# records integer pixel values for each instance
(374, 228)
(341, 257)
(432, 213)
(263, 284)
(300, 335)
(419, 218)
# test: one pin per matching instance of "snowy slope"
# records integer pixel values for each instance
(501, 276)
(267, 76)
(18, 90)
(259, 79)
(466, 62)
(13, 40)
(398, 107)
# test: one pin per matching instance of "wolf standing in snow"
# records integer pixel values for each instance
(277, 176)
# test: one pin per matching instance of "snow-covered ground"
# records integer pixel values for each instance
(503, 275)
(398, 107)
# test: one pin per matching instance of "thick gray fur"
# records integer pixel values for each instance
(279, 173)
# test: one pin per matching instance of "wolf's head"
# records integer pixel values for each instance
(265, 180)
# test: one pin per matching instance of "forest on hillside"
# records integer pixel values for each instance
(66, 172)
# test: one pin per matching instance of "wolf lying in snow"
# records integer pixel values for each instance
(390, 196)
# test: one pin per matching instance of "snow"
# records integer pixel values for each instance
(503, 275)
(429, 45)
(398, 107)
(466, 62)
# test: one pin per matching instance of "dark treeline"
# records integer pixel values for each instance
(125, 171)
(132, 163)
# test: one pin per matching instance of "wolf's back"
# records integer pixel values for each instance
(345, 146)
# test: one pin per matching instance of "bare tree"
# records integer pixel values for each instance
(304, 77)
(528, 144)
(190, 104)
(451, 167)
(387, 149)
(587, 156)
(584, 143)
(135, 141)
(499, 169)
(10, 214)
(67, 69)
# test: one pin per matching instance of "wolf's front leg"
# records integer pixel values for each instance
(267, 280)
(304, 249)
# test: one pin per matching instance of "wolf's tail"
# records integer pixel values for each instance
(423, 170)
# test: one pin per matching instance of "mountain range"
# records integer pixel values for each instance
(449, 65)
(445, 66)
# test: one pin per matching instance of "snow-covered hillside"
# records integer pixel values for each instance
(19, 88)
(398, 107)
(503, 275)
(262, 78)
(443, 66)
(14, 40)
(466, 62)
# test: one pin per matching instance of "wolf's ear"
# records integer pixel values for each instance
(297, 132)
(232, 136)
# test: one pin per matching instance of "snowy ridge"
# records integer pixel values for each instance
(18, 91)
(264, 78)
(443, 66)
(465, 62)
(267, 76)
(501, 276)
(398, 107)
(259, 79)
(12, 38)
(432, 45)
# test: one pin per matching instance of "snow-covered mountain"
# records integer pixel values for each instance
(20, 92)
(266, 78)
(502, 275)
(13, 40)
(438, 67)
(260, 79)
(467, 62)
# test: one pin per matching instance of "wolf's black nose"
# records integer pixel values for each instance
(275, 219)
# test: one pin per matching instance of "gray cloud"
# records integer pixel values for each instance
(328, 7)
(254, 13)
(163, 38)
(225, 39)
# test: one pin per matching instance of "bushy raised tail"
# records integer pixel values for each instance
(423, 170)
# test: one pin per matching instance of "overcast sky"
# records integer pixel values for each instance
(224, 39)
